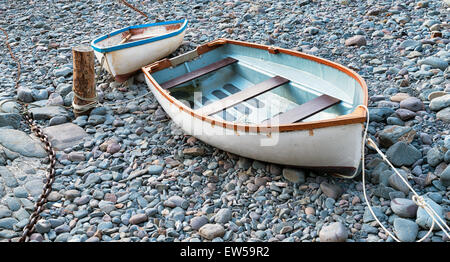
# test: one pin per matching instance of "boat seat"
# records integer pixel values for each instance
(243, 95)
(198, 73)
(303, 111)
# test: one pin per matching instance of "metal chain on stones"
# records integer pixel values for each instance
(50, 178)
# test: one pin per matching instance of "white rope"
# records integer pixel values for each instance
(418, 200)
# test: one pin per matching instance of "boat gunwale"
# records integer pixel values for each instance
(355, 117)
(139, 42)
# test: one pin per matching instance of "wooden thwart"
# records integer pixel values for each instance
(198, 73)
(303, 111)
(243, 95)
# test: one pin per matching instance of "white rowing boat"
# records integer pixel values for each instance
(266, 103)
(126, 50)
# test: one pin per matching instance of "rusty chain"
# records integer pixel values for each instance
(50, 178)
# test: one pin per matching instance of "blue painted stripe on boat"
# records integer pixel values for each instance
(140, 42)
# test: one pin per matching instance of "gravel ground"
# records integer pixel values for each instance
(135, 176)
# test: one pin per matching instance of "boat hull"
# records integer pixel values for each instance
(331, 143)
(334, 149)
(124, 60)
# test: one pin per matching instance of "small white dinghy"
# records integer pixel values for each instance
(266, 103)
(128, 49)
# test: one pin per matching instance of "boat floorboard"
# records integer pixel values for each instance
(243, 95)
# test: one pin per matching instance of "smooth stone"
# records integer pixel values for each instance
(47, 112)
(294, 175)
(179, 201)
(104, 226)
(412, 103)
(436, 94)
(392, 134)
(424, 220)
(223, 216)
(55, 99)
(357, 40)
(57, 120)
(5, 212)
(383, 191)
(211, 231)
(8, 178)
(93, 179)
(444, 115)
(10, 119)
(63, 89)
(99, 111)
(76, 156)
(20, 192)
(404, 207)
(379, 114)
(155, 169)
(331, 190)
(402, 153)
(54, 196)
(62, 228)
(440, 102)
(368, 217)
(335, 232)
(410, 43)
(434, 156)
(65, 135)
(399, 97)
(406, 230)
(34, 187)
(96, 120)
(397, 183)
(113, 148)
(244, 163)
(71, 194)
(13, 203)
(405, 114)
(434, 62)
(197, 222)
(21, 143)
(8, 223)
(43, 226)
(138, 218)
(24, 94)
(36, 237)
(65, 71)
(194, 151)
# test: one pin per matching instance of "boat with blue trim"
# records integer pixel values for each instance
(123, 52)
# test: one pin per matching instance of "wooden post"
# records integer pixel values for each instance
(83, 80)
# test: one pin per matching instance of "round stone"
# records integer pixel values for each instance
(335, 232)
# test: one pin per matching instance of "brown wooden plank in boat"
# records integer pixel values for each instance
(304, 110)
(243, 95)
(198, 73)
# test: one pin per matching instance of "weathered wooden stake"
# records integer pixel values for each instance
(83, 79)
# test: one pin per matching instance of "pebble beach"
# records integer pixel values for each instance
(129, 174)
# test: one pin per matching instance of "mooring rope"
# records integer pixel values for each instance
(134, 8)
(12, 56)
(418, 200)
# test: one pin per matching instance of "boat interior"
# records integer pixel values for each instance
(136, 34)
(253, 86)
